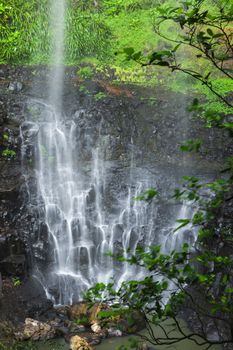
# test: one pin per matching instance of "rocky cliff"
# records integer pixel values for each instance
(150, 122)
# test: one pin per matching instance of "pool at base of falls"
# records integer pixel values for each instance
(114, 343)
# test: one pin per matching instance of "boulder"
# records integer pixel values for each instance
(78, 343)
(35, 330)
(83, 312)
(114, 332)
(96, 328)
(15, 86)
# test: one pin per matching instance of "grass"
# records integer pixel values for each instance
(93, 35)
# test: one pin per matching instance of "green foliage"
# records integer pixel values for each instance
(85, 72)
(98, 31)
(99, 96)
(16, 281)
(191, 146)
(5, 137)
(84, 89)
(83, 321)
(182, 222)
(212, 117)
(203, 32)
(86, 34)
(147, 195)
(91, 31)
(22, 38)
(8, 153)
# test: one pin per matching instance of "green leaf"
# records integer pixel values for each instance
(228, 125)
(178, 193)
(183, 222)
(185, 248)
(129, 51)
(187, 270)
(210, 32)
(198, 218)
(203, 278)
(147, 195)
(176, 48)
(5, 136)
(218, 35)
(204, 233)
(137, 55)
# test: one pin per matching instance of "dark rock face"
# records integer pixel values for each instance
(25, 300)
(129, 124)
(12, 248)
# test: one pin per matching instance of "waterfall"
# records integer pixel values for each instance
(72, 199)
(81, 232)
(84, 207)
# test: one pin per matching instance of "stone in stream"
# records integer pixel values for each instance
(114, 332)
(78, 343)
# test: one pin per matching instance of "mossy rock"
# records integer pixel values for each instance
(83, 314)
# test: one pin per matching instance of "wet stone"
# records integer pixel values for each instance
(15, 86)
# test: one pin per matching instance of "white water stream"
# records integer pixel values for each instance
(80, 233)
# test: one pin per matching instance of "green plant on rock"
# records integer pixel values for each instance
(84, 89)
(8, 153)
(99, 96)
(5, 137)
(82, 321)
(85, 72)
(16, 281)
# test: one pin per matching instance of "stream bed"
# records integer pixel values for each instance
(115, 343)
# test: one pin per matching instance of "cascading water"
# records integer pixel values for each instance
(174, 238)
(80, 219)
(80, 232)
